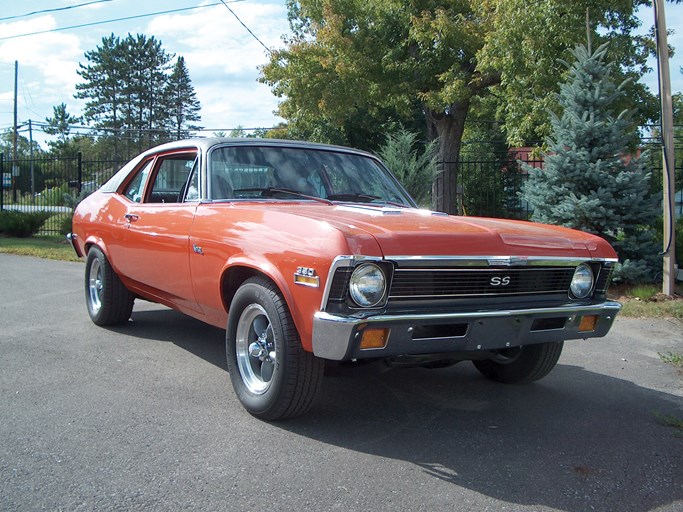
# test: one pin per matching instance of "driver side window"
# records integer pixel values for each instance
(163, 179)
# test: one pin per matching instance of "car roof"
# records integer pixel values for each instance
(206, 143)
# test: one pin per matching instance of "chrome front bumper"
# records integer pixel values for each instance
(338, 337)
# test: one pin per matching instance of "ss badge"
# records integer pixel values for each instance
(500, 281)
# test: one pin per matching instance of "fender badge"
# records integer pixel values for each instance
(306, 277)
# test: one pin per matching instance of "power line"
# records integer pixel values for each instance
(119, 19)
(52, 10)
(248, 29)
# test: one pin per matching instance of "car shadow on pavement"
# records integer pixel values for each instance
(575, 441)
(155, 322)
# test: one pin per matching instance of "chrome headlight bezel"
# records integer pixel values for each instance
(582, 282)
(368, 285)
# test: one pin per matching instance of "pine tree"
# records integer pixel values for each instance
(184, 106)
(590, 181)
(414, 166)
(124, 85)
(102, 87)
(60, 122)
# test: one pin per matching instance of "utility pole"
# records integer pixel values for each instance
(15, 168)
(669, 186)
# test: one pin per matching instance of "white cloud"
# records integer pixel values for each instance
(222, 58)
(228, 106)
(212, 38)
(50, 59)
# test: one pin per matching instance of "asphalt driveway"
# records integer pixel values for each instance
(143, 418)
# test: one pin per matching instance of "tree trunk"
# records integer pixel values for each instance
(448, 128)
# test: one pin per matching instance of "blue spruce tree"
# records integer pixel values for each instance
(589, 180)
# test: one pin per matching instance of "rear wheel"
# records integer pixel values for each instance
(273, 376)
(109, 301)
(521, 365)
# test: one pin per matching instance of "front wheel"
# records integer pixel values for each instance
(109, 301)
(273, 377)
(521, 365)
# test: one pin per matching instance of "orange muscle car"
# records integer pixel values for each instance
(306, 252)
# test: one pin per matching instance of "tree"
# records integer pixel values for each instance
(415, 169)
(146, 107)
(237, 132)
(134, 94)
(589, 180)
(349, 64)
(103, 86)
(60, 125)
(183, 100)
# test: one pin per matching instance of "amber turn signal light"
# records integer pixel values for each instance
(374, 339)
(588, 323)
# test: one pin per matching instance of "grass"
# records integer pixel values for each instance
(50, 247)
(669, 420)
(647, 301)
(672, 358)
(645, 292)
(642, 309)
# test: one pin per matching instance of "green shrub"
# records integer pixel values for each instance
(54, 196)
(413, 165)
(22, 224)
(65, 223)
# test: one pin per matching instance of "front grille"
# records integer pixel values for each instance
(438, 283)
(340, 285)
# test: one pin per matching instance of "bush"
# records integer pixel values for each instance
(54, 196)
(65, 226)
(22, 224)
(413, 167)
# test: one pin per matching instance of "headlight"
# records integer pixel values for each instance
(367, 285)
(582, 282)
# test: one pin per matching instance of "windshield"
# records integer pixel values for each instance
(253, 172)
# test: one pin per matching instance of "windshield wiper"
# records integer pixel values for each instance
(271, 191)
(363, 198)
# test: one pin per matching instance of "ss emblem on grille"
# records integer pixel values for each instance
(500, 281)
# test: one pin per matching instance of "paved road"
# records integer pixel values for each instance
(143, 418)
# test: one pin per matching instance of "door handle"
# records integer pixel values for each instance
(131, 217)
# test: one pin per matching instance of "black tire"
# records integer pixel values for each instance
(109, 302)
(273, 376)
(521, 365)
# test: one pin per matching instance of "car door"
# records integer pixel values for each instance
(157, 227)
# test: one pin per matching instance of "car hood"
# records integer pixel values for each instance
(413, 232)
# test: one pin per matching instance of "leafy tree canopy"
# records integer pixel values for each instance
(356, 67)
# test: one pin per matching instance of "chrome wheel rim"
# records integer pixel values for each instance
(255, 349)
(95, 285)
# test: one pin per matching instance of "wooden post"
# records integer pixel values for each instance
(669, 186)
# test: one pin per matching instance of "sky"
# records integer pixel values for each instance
(220, 53)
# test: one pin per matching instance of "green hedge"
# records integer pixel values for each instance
(22, 224)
